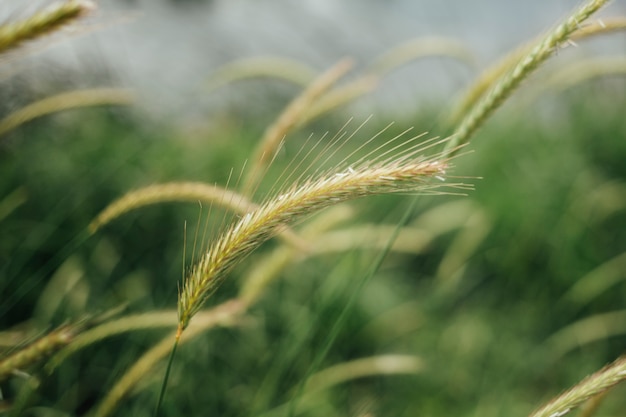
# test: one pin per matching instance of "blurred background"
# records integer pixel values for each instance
(167, 49)
(491, 302)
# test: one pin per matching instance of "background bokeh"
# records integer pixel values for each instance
(503, 297)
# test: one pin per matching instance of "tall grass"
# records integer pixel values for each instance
(279, 346)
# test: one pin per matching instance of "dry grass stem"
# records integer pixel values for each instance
(42, 23)
(417, 49)
(593, 405)
(588, 330)
(36, 351)
(597, 281)
(338, 97)
(589, 387)
(170, 192)
(442, 219)
(403, 172)
(581, 71)
(184, 192)
(577, 73)
(600, 27)
(224, 314)
(505, 86)
(348, 371)
(65, 101)
(272, 67)
(394, 58)
(152, 320)
(488, 77)
(371, 236)
(462, 248)
(288, 119)
(363, 367)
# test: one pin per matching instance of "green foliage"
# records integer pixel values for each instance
(493, 301)
(483, 336)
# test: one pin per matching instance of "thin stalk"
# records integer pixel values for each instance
(265, 66)
(192, 192)
(419, 48)
(166, 376)
(225, 314)
(66, 101)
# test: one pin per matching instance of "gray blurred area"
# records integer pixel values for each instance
(166, 49)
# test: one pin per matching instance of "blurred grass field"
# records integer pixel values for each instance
(483, 305)
(482, 301)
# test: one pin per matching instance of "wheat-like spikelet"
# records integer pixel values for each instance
(402, 172)
(42, 23)
(288, 119)
(65, 101)
(485, 79)
(522, 60)
(36, 351)
(268, 267)
(490, 75)
(529, 62)
(589, 387)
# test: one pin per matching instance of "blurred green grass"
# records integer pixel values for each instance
(552, 196)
